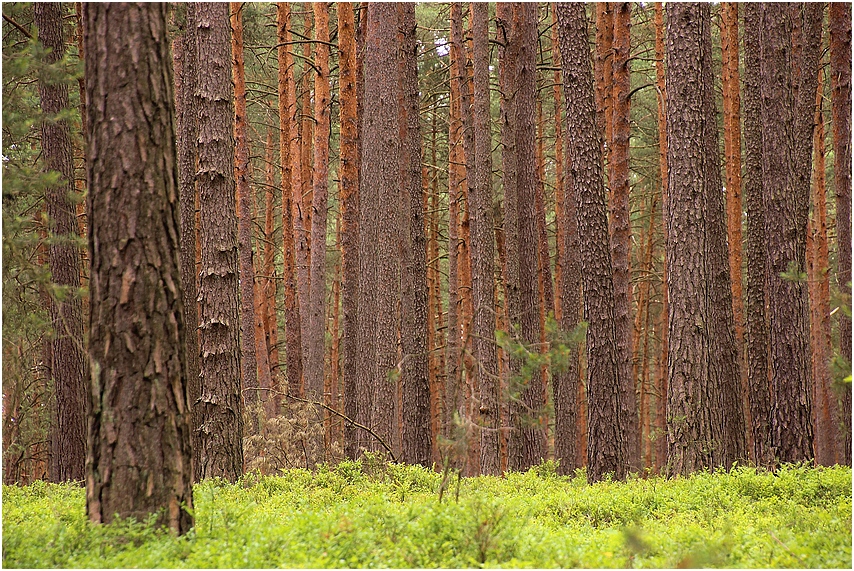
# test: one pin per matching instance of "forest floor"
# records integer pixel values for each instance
(381, 515)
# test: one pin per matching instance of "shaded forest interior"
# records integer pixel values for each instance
(472, 236)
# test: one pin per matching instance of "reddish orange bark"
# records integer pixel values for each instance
(271, 326)
(603, 69)
(560, 199)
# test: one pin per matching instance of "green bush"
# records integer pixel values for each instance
(384, 515)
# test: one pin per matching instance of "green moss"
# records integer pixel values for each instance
(390, 516)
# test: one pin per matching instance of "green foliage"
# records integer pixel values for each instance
(355, 515)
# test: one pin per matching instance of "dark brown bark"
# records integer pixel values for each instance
(840, 82)
(287, 108)
(703, 371)
(620, 227)
(349, 199)
(483, 246)
(139, 460)
(68, 426)
(219, 436)
(791, 420)
(246, 275)
(417, 438)
(186, 69)
(607, 444)
(378, 220)
(759, 395)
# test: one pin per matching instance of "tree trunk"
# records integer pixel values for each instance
(759, 395)
(607, 444)
(791, 422)
(378, 254)
(246, 275)
(840, 82)
(219, 438)
(270, 283)
(287, 108)
(139, 459)
(349, 200)
(303, 191)
(620, 227)
(186, 79)
(68, 429)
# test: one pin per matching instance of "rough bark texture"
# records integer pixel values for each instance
(620, 228)
(791, 420)
(608, 447)
(293, 325)
(186, 69)
(139, 460)
(246, 275)
(417, 438)
(527, 445)
(68, 429)
(483, 247)
(317, 299)
(703, 372)
(758, 390)
(840, 82)
(349, 198)
(219, 435)
(378, 205)
(603, 66)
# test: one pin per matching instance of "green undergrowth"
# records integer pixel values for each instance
(380, 515)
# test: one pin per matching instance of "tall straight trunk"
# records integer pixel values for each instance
(139, 458)
(68, 429)
(417, 437)
(758, 390)
(248, 361)
(603, 66)
(560, 189)
(661, 381)
(840, 83)
(703, 370)
(186, 70)
(827, 437)
(293, 325)
(544, 260)
(271, 290)
(378, 202)
(302, 191)
(607, 441)
(259, 338)
(219, 420)
(453, 405)
(732, 159)
(527, 445)
(349, 200)
(483, 247)
(791, 420)
(620, 227)
(317, 299)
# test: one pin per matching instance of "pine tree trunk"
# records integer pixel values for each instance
(68, 429)
(303, 191)
(139, 454)
(219, 436)
(840, 82)
(607, 442)
(417, 438)
(287, 108)
(271, 290)
(791, 420)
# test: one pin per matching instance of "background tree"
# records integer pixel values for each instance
(139, 459)
(219, 413)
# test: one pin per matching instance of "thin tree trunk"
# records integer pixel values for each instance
(68, 429)
(271, 322)
(219, 436)
(139, 458)
(290, 170)
(840, 82)
(603, 66)
(302, 193)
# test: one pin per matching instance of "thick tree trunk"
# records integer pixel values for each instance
(139, 459)
(219, 437)
(287, 108)
(246, 275)
(607, 445)
(68, 429)
(349, 199)
(840, 82)
(791, 420)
